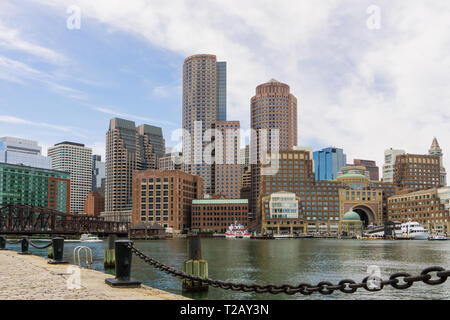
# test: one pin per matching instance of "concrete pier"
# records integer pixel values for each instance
(28, 277)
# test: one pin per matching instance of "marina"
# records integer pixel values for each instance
(287, 261)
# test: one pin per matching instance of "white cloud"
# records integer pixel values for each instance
(129, 116)
(19, 121)
(360, 89)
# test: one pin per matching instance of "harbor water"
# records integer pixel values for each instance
(290, 261)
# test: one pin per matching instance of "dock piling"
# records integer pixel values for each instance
(110, 257)
(195, 265)
(3, 243)
(123, 266)
(24, 245)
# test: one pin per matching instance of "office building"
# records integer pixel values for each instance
(165, 197)
(76, 159)
(216, 215)
(417, 171)
(204, 103)
(22, 151)
(38, 187)
(282, 214)
(390, 156)
(98, 174)
(371, 167)
(226, 168)
(155, 138)
(94, 204)
(171, 161)
(328, 162)
(128, 149)
(355, 169)
(436, 150)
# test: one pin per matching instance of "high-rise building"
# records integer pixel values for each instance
(38, 187)
(204, 103)
(328, 162)
(76, 159)
(171, 161)
(94, 204)
(417, 171)
(390, 156)
(435, 150)
(155, 138)
(127, 150)
(273, 122)
(165, 197)
(22, 151)
(226, 167)
(371, 167)
(98, 173)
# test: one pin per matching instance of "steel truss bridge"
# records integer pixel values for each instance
(29, 220)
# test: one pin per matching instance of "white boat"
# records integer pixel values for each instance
(438, 238)
(87, 237)
(237, 231)
(282, 236)
(413, 230)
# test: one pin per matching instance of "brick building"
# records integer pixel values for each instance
(94, 204)
(216, 215)
(165, 197)
(417, 171)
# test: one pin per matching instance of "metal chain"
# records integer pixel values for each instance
(400, 280)
(13, 241)
(40, 247)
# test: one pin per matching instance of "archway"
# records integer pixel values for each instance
(366, 214)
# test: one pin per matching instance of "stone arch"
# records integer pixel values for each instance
(366, 214)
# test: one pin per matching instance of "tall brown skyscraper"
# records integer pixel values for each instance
(204, 103)
(274, 123)
(127, 149)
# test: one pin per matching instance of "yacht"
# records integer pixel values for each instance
(438, 238)
(88, 237)
(237, 231)
(413, 230)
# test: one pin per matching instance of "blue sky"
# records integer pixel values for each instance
(361, 89)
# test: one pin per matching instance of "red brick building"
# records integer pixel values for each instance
(94, 203)
(165, 197)
(371, 166)
(216, 215)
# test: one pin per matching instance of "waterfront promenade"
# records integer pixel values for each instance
(29, 277)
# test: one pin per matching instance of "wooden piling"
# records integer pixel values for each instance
(195, 266)
(109, 261)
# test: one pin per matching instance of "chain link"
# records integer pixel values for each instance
(324, 287)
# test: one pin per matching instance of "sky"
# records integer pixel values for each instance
(368, 75)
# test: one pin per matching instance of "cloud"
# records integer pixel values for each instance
(130, 116)
(11, 39)
(360, 89)
(19, 121)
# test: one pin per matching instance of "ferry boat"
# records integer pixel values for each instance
(88, 237)
(237, 231)
(413, 230)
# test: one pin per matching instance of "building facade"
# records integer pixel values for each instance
(282, 214)
(76, 159)
(204, 103)
(126, 151)
(22, 151)
(417, 171)
(165, 197)
(355, 169)
(216, 215)
(371, 167)
(94, 204)
(390, 156)
(323, 203)
(39, 187)
(226, 168)
(429, 207)
(98, 174)
(273, 120)
(328, 162)
(171, 161)
(436, 150)
(154, 137)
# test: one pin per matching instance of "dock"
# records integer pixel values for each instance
(28, 277)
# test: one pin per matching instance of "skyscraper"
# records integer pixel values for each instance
(328, 162)
(98, 173)
(274, 127)
(127, 149)
(155, 138)
(22, 151)
(76, 159)
(204, 103)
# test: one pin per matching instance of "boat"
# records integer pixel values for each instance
(283, 236)
(237, 231)
(305, 236)
(413, 230)
(438, 238)
(88, 237)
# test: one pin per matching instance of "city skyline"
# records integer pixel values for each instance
(331, 84)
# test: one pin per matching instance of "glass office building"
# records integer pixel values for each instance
(328, 162)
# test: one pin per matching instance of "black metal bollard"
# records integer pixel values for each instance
(123, 266)
(58, 251)
(3, 243)
(24, 245)
(195, 249)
